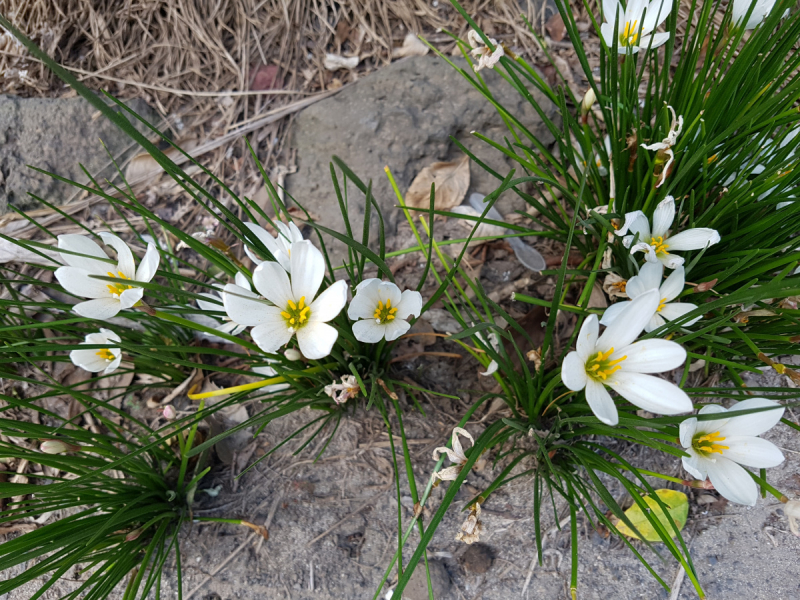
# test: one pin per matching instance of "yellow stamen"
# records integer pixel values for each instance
(707, 444)
(661, 304)
(599, 367)
(117, 288)
(296, 313)
(711, 159)
(385, 313)
(630, 34)
(659, 246)
(105, 354)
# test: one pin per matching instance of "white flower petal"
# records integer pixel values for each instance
(264, 237)
(754, 423)
(389, 291)
(491, 369)
(100, 309)
(246, 308)
(655, 322)
(212, 304)
(696, 465)
(88, 360)
(573, 372)
(613, 311)
(649, 276)
(674, 284)
(587, 338)
(601, 403)
(659, 39)
(636, 222)
(630, 324)
(241, 280)
(448, 474)
(149, 265)
(81, 244)
(733, 482)
(329, 303)
(670, 261)
(129, 298)
(693, 239)
(650, 356)
(456, 442)
(410, 305)
(109, 335)
(611, 10)
(607, 31)
(308, 269)
(124, 255)
(364, 303)
(114, 364)
(657, 13)
(649, 251)
(316, 339)
(272, 282)
(650, 393)
(678, 309)
(752, 451)
(664, 214)
(687, 430)
(272, 333)
(368, 331)
(394, 329)
(77, 281)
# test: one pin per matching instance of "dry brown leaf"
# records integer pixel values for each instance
(598, 298)
(556, 28)
(451, 180)
(412, 46)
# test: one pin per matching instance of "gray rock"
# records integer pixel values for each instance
(403, 116)
(417, 588)
(56, 135)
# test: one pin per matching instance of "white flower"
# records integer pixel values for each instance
(107, 298)
(486, 58)
(297, 308)
(342, 392)
(214, 305)
(382, 310)
(95, 360)
(616, 361)
(656, 242)
(456, 456)
(734, 440)
(634, 22)
(665, 145)
(280, 246)
(649, 278)
(761, 9)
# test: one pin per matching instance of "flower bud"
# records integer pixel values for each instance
(292, 354)
(57, 447)
(586, 105)
(169, 412)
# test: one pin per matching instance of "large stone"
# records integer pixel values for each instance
(57, 135)
(402, 116)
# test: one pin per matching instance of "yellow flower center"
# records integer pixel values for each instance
(116, 289)
(384, 314)
(296, 314)
(105, 354)
(712, 159)
(661, 304)
(599, 367)
(658, 245)
(706, 444)
(630, 34)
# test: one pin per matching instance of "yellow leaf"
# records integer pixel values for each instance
(677, 508)
(451, 180)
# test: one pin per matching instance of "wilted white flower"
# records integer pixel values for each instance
(615, 286)
(107, 298)
(342, 392)
(486, 57)
(472, 526)
(664, 147)
(649, 278)
(494, 341)
(657, 244)
(105, 359)
(380, 310)
(57, 447)
(295, 307)
(615, 360)
(455, 454)
(279, 246)
(734, 440)
(632, 21)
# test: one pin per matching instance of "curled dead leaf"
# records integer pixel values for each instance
(705, 286)
(451, 180)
